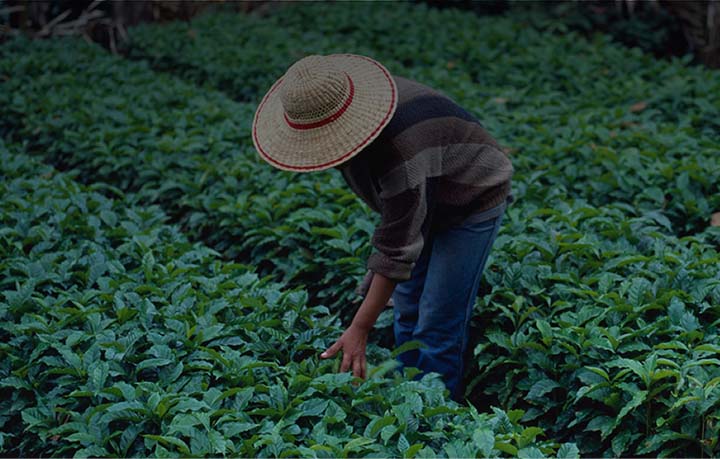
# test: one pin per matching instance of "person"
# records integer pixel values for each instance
(439, 180)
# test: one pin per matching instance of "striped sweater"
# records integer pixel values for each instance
(431, 167)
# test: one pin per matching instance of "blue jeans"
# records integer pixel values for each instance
(435, 305)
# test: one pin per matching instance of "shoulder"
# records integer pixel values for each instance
(425, 123)
(419, 104)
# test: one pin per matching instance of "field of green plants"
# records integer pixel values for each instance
(166, 292)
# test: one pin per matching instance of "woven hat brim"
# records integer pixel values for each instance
(307, 150)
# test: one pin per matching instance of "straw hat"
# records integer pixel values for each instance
(323, 111)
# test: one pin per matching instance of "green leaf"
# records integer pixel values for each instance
(637, 399)
(568, 451)
(685, 400)
(413, 450)
(98, 373)
(152, 363)
(485, 440)
(544, 327)
(92, 451)
(377, 424)
(128, 437)
(530, 453)
(357, 444)
(635, 367)
(407, 346)
(600, 372)
(657, 441)
(437, 410)
(541, 388)
(313, 407)
(167, 440)
(621, 441)
(529, 434)
(387, 432)
(403, 445)
(506, 448)
(707, 348)
(232, 429)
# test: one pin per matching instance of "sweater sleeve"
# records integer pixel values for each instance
(398, 239)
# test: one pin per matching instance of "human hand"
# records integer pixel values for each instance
(352, 343)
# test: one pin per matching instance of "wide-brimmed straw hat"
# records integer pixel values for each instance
(323, 111)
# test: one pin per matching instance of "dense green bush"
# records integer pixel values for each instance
(587, 120)
(650, 27)
(604, 330)
(119, 337)
(599, 310)
(610, 124)
(190, 152)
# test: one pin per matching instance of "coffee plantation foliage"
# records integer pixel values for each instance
(122, 338)
(597, 318)
(189, 150)
(559, 99)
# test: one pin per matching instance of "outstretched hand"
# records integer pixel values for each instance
(352, 343)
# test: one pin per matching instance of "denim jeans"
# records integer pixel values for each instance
(435, 305)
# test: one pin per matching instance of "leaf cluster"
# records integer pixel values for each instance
(122, 338)
(598, 314)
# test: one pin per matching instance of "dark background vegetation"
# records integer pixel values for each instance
(663, 28)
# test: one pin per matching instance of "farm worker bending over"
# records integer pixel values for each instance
(439, 181)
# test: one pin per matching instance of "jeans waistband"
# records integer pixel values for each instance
(487, 214)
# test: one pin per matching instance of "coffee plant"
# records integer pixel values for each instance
(597, 320)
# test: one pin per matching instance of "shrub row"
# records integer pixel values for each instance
(169, 143)
(633, 137)
(554, 253)
(577, 292)
(603, 329)
(120, 337)
(607, 123)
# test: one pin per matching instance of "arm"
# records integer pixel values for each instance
(398, 241)
(381, 288)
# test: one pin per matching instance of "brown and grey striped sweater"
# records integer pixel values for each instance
(432, 166)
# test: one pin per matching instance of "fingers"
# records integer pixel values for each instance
(332, 350)
(346, 362)
(357, 364)
(357, 368)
